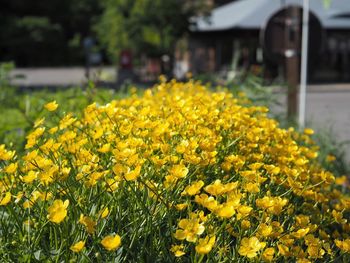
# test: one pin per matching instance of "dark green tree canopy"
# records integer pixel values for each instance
(146, 26)
(45, 33)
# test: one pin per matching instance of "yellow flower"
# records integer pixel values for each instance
(58, 211)
(193, 189)
(330, 158)
(4, 154)
(51, 106)
(264, 230)
(111, 242)
(308, 131)
(338, 217)
(77, 247)
(272, 169)
(11, 168)
(179, 171)
(189, 228)
(341, 180)
(206, 201)
(245, 224)
(31, 156)
(6, 199)
(218, 188)
(314, 246)
(30, 177)
(177, 250)
(268, 254)
(88, 222)
(301, 232)
(67, 121)
(205, 245)
(181, 206)
(27, 204)
(225, 210)
(133, 174)
(250, 247)
(112, 184)
(283, 250)
(302, 220)
(273, 205)
(53, 130)
(104, 212)
(243, 211)
(343, 245)
(105, 148)
(252, 187)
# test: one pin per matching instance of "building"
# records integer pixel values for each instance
(231, 37)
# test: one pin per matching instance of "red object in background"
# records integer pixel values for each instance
(126, 59)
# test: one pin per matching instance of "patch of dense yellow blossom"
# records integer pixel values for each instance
(232, 182)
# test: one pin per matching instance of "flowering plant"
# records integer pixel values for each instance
(181, 173)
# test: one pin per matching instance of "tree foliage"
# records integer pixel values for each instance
(31, 30)
(150, 27)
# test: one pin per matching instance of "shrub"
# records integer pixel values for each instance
(179, 174)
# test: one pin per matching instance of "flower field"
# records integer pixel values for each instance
(179, 174)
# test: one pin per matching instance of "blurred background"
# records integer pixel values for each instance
(145, 38)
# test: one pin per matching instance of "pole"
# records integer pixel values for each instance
(292, 38)
(303, 73)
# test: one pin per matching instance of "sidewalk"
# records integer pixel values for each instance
(35, 77)
(311, 88)
(38, 77)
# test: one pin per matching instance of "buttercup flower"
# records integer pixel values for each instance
(88, 222)
(51, 106)
(178, 250)
(111, 242)
(77, 247)
(205, 245)
(5, 199)
(58, 211)
(250, 247)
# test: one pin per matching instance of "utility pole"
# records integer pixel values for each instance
(292, 40)
(303, 73)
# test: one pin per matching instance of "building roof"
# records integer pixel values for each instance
(253, 14)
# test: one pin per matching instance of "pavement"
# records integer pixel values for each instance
(328, 106)
(327, 110)
(41, 77)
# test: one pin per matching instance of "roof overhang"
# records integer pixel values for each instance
(253, 14)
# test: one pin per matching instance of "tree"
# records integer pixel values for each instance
(149, 27)
(31, 30)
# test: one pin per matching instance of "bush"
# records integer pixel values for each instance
(179, 174)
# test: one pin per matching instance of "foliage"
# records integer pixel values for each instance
(30, 30)
(181, 173)
(145, 26)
